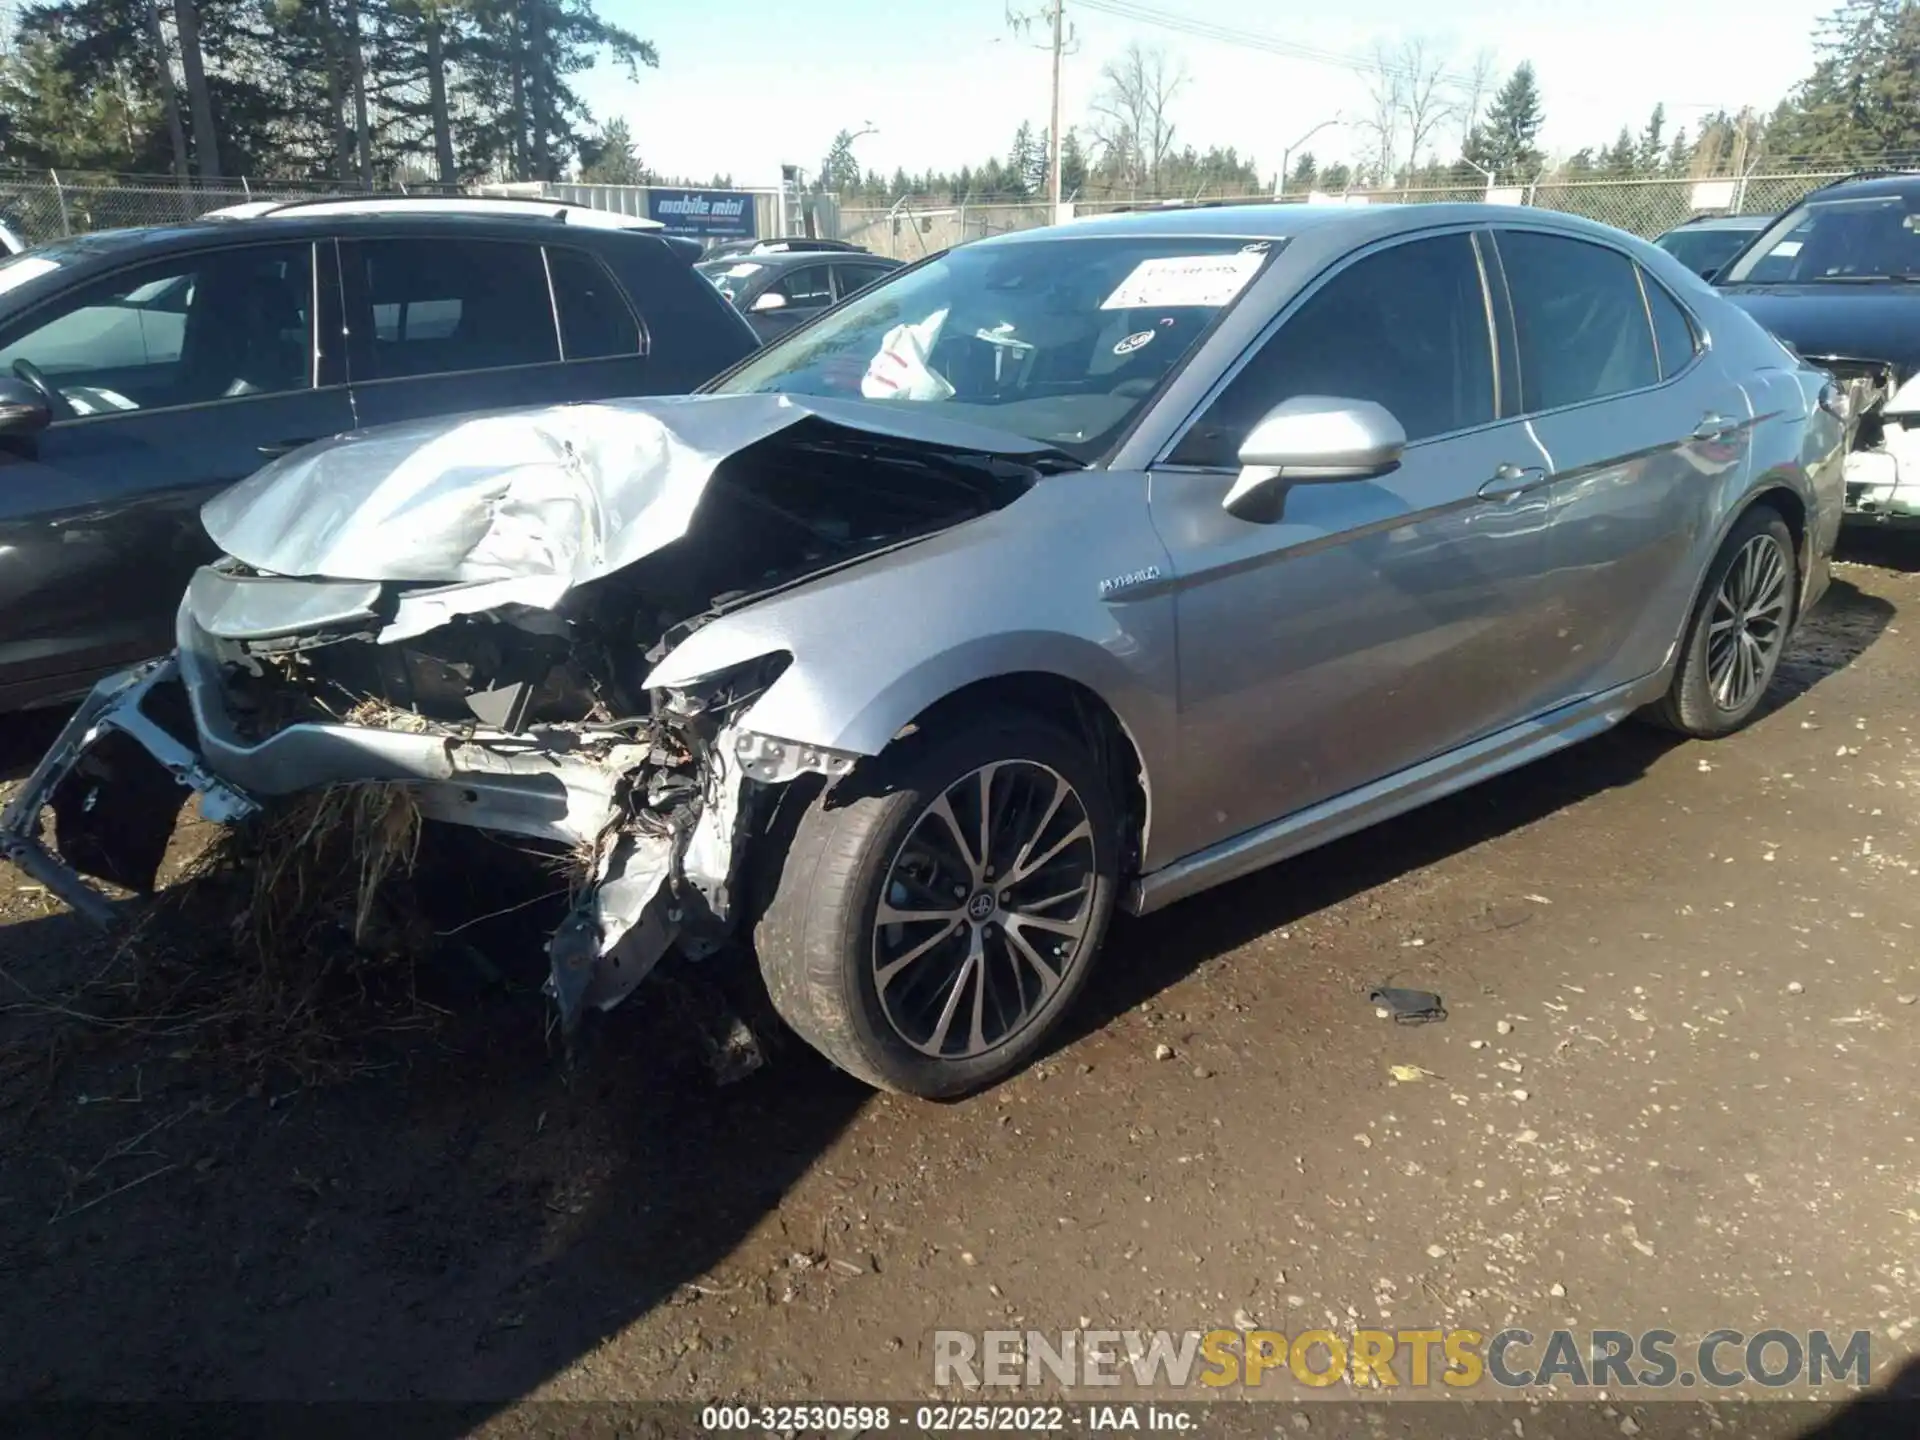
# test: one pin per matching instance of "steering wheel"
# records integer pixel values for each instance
(56, 402)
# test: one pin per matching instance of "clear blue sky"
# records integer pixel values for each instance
(745, 85)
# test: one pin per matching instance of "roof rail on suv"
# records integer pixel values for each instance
(561, 211)
(1878, 172)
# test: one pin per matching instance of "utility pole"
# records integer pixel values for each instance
(1060, 42)
(1053, 126)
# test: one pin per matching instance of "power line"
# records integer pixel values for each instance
(1249, 39)
(1273, 45)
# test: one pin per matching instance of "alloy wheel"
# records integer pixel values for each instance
(1748, 624)
(984, 910)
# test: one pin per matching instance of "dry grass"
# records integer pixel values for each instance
(282, 943)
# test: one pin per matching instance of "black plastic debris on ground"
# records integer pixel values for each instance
(1409, 1007)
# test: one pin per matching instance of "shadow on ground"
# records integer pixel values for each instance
(1889, 549)
(462, 1216)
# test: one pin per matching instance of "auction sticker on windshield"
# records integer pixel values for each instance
(1171, 281)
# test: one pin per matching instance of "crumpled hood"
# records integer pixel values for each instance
(1840, 321)
(549, 497)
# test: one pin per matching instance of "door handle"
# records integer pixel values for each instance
(273, 450)
(1714, 427)
(1511, 481)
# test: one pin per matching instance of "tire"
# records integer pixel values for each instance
(880, 835)
(1702, 703)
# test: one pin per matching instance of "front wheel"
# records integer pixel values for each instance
(937, 912)
(1738, 632)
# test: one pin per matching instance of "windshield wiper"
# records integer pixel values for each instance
(1857, 280)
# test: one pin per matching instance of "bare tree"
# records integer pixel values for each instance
(1386, 101)
(1474, 87)
(1426, 96)
(1132, 128)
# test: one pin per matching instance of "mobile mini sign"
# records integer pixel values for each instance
(704, 214)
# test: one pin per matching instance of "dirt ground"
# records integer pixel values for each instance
(1676, 1088)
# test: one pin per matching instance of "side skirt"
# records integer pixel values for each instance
(1395, 795)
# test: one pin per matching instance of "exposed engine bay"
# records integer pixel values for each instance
(527, 719)
(1883, 460)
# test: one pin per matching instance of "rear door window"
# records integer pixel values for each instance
(1672, 332)
(1579, 318)
(595, 319)
(854, 278)
(441, 306)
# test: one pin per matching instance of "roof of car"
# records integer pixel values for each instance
(1270, 221)
(508, 206)
(301, 223)
(780, 244)
(1874, 182)
(790, 259)
(1726, 222)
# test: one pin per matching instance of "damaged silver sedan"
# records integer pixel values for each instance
(1070, 571)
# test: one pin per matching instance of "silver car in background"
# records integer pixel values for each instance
(1074, 569)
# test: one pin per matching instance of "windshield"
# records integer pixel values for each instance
(1059, 340)
(1875, 237)
(1704, 251)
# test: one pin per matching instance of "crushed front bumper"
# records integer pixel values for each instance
(1877, 491)
(115, 708)
(623, 922)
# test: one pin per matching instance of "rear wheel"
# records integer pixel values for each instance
(936, 913)
(1739, 630)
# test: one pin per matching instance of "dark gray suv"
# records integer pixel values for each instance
(142, 371)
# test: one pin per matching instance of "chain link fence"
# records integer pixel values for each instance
(912, 227)
(43, 205)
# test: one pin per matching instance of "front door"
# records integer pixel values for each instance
(788, 302)
(1376, 623)
(171, 381)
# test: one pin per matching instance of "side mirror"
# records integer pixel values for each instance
(1312, 440)
(769, 300)
(23, 409)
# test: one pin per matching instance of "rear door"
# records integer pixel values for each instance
(1376, 623)
(178, 377)
(850, 277)
(441, 325)
(1643, 429)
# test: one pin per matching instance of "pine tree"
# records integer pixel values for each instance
(1680, 154)
(1036, 173)
(1620, 157)
(1305, 172)
(1073, 166)
(840, 170)
(1504, 142)
(1860, 101)
(1013, 176)
(609, 158)
(1653, 142)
